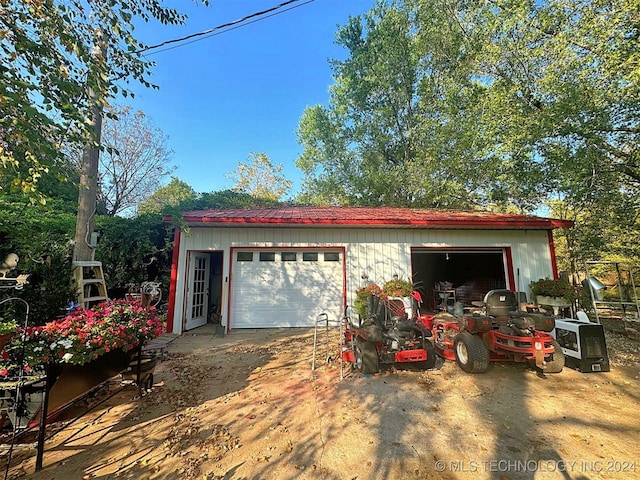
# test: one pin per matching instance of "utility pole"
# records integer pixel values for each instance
(83, 247)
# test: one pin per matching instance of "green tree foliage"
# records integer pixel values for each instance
(215, 200)
(564, 90)
(260, 178)
(172, 194)
(563, 94)
(584, 87)
(227, 199)
(534, 98)
(47, 63)
(177, 197)
(507, 105)
(131, 250)
(396, 131)
(134, 250)
(42, 237)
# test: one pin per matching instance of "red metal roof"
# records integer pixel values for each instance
(368, 216)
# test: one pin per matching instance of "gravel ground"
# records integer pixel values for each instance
(248, 406)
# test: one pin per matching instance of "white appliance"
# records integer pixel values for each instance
(583, 344)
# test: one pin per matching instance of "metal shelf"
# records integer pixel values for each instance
(622, 303)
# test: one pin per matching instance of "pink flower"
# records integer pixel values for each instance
(88, 333)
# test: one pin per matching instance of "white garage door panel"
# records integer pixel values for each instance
(285, 294)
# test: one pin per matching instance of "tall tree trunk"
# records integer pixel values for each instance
(82, 248)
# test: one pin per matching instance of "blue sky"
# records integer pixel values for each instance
(242, 91)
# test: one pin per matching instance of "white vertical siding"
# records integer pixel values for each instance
(378, 253)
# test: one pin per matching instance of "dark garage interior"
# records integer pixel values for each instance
(445, 276)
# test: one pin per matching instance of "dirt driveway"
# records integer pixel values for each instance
(248, 406)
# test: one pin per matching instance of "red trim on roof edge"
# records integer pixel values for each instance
(542, 224)
(368, 216)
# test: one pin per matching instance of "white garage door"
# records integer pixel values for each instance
(285, 288)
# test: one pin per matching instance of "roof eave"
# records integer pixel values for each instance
(536, 224)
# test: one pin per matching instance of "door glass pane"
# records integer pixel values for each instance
(199, 288)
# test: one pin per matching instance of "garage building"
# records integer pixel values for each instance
(283, 267)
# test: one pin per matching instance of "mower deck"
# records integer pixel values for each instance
(502, 347)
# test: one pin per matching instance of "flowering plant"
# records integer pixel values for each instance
(82, 336)
(393, 288)
(7, 326)
(397, 288)
(547, 287)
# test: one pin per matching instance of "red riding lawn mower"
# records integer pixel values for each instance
(390, 333)
(498, 332)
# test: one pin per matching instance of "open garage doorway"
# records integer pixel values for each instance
(444, 276)
(204, 289)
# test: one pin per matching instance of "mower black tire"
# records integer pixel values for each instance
(471, 353)
(366, 356)
(432, 357)
(555, 364)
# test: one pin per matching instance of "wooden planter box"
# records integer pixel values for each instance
(559, 302)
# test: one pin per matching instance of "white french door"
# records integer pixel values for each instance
(198, 291)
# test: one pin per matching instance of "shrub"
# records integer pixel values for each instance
(553, 288)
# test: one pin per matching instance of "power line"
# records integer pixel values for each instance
(213, 34)
(215, 30)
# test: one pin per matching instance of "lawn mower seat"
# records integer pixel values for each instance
(499, 303)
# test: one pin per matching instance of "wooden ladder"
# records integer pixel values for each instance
(89, 279)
